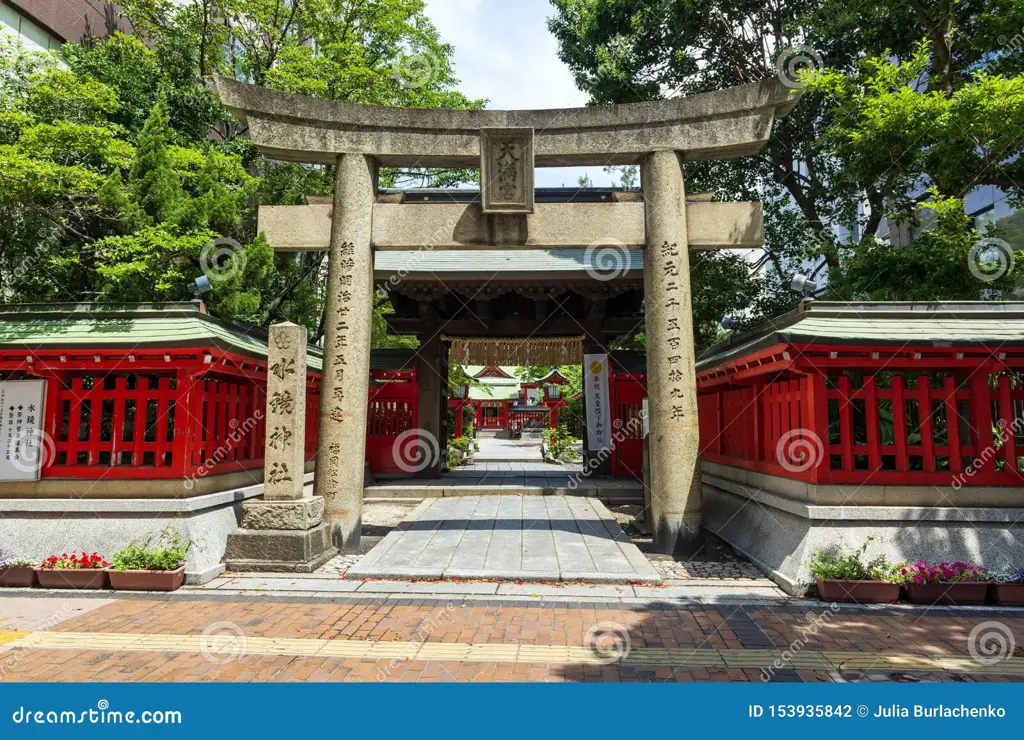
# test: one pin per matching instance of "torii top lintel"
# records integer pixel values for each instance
(732, 122)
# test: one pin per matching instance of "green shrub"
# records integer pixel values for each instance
(458, 452)
(164, 552)
(561, 444)
(835, 564)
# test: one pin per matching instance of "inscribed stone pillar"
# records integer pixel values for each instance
(283, 532)
(286, 412)
(345, 380)
(671, 379)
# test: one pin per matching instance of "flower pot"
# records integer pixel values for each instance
(18, 577)
(148, 580)
(1007, 594)
(77, 578)
(861, 592)
(959, 594)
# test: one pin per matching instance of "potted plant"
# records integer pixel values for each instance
(1008, 588)
(154, 565)
(845, 576)
(956, 583)
(15, 572)
(73, 571)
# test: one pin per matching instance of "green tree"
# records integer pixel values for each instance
(817, 207)
(152, 180)
(123, 178)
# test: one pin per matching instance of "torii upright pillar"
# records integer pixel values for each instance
(671, 380)
(347, 327)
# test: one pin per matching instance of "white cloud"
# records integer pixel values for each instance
(504, 53)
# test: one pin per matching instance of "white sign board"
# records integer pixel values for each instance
(647, 426)
(21, 429)
(597, 405)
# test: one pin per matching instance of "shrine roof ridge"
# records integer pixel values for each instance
(902, 323)
(135, 325)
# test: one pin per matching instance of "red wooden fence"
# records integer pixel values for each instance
(627, 394)
(893, 425)
(393, 410)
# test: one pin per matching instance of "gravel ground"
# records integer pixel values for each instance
(716, 561)
(385, 514)
(378, 518)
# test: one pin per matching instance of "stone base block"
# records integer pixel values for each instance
(300, 514)
(279, 550)
(780, 535)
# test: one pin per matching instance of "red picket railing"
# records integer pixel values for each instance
(393, 409)
(227, 424)
(176, 417)
(627, 396)
(958, 426)
(520, 419)
(120, 421)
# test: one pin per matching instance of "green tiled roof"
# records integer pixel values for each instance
(103, 326)
(960, 324)
(497, 392)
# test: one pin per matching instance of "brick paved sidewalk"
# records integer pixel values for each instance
(186, 640)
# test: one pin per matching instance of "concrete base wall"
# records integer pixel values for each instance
(780, 533)
(143, 488)
(36, 528)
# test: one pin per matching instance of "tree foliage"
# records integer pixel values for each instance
(909, 98)
(122, 178)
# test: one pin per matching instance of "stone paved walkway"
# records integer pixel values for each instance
(195, 640)
(530, 538)
(493, 449)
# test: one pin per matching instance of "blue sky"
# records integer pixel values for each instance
(504, 53)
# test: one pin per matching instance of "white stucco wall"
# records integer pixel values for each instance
(34, 38)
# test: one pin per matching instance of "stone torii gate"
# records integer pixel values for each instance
(506, 146)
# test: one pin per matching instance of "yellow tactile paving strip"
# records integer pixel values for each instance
(7, 636)
(502, 653)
